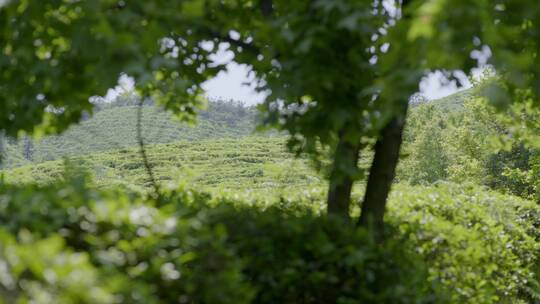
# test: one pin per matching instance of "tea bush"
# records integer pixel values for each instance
(189, 248)
(481, 245)
(449, 243)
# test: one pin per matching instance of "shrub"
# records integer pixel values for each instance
(190, 248)
(312, 259)
(480, 245)
(45, 271)
(447, 243)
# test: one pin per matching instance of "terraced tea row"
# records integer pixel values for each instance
(115, 128)
(248, 163)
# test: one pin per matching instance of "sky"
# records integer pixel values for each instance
(230, 85)
(235, 83)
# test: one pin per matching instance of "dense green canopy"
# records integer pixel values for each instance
(336, 72)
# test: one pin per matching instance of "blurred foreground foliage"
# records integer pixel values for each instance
(70, 243)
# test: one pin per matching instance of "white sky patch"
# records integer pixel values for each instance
(4, 3)
(390, 7)
(125, 84)
(223, 55)
(234, 84)
(435, 85)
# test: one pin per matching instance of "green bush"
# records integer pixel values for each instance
(473, 143)
(34, 270)
(190, 248)
(480, 245)
(447, 243)
(313, 259)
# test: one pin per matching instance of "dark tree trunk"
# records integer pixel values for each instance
(382, 173)
(342, 177)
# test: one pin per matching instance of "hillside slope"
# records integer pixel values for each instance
(247, 163)
(114, 128)
(217, 152)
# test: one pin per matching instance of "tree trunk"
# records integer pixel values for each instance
(387, 147)
(342, 177)
(382, 173)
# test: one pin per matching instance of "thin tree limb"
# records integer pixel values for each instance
(142, 151)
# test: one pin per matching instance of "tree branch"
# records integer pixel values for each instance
(142, 151)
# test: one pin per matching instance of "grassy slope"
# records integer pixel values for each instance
(247, 163)
(114, 128)
(217, 153)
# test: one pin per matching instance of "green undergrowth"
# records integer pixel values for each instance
(241, 220)
(446, 244)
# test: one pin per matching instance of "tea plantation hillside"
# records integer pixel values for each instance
(247, 163)
(114, 127)
(469, 243)
(219, 152)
